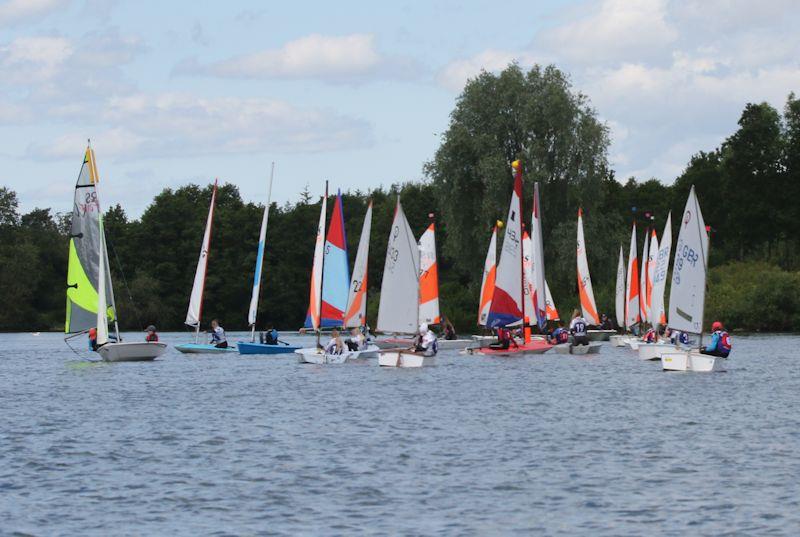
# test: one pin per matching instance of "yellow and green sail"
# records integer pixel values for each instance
(86, 235)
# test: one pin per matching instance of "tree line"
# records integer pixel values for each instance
(747, 189)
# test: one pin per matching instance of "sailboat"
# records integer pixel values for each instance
(585, 290)
(688, 291)
(488, 279)
(356, 313)
(653, 351)
(253, 347)
(508, 301)
(619, 301)
(632, 313)
(398, 311)
(90, 292)
(330, 293)
(194, 313)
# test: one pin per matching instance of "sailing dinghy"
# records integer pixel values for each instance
(253, 347)
(508, 300)
(688, 292)
(335, 301)
(90, 293)
(194, 313)
(653, 351)
(618, 340)
(632, 314)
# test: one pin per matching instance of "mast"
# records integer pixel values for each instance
(321, 276)
(253, 314)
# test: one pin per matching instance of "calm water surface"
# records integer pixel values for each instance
(552, 445)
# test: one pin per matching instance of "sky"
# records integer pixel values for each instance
(357, 93)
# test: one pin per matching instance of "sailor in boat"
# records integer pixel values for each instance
(578, 329)
(335, 344)
(449, 329)
(676, 336)
(650, 336)
(270, 337)
(425, 342)
(720, 342)
(152, 336)
(218, 338)
(558, 336)
(504, 339)
(605, 322)
(357, 341)
(93, 339)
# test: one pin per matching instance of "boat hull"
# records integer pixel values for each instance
(653, 351)
(600, 335)
(139, 351)
(692, 361)
(202, 348)
(311, 355)
(568, 348)
(619, 340)
(262, 348)
(403, 358)
(534, 347)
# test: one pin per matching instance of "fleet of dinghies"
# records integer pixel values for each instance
(514, 293)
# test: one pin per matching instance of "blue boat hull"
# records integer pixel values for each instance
(200, 348)
(261, 348)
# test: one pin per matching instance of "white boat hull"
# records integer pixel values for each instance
(138, 351)
(619, 340)
(311, 355)
(634, 343)
(691, 361)
(653, 351)
(569, 348)
(403, 358)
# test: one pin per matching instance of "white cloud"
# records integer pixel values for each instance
(455, 74)
(33, 59)
(18, 11)
(313, 56)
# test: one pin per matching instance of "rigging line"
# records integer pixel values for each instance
(136, 311)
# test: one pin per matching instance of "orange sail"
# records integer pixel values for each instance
(428, 278)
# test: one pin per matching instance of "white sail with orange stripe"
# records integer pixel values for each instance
(588, 306)
(643, 278)
(619, 302)
(356, 311)
(428, 277)
(632, 284)
(487, 283)
(552, 311)
(652, 256)
(315, 295)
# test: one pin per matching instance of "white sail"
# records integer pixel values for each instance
(487, 282)
(643, 278)
(196, 298)
(687, 294)
(632, 284)
(660, 272)
(540, 293)
(398, 310)
(262, 237)
(552, 311)
(102, 306)
(356, 312)
(428, 277)
(585, 291)
(313, 318)
(652, 256)
(620, 291)
(527, 274)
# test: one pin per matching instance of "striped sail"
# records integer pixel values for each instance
(428, 278)
(527, 273)
(335, 270)
(632, 285)
(588, 306)
(541, 295)
(660, 272)
(652, 255)
(356, 313)
(507, 302)
(252, 313)
(687, 294)
(552, 311)
(487, 282)
(196, 298)
(643, 278)
(619, 301)
(398, 310)
(86, 249)
(315, 295)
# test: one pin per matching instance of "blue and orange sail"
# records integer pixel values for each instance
(335, 271)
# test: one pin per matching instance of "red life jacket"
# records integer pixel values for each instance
(724, 343)
(151, 338)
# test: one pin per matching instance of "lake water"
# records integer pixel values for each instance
(551, 445)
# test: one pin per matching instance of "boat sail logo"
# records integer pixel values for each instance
(687, 217)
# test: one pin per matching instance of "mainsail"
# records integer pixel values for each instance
(398, 310)
(643, 278)
(620, 291)
(632, 285)
(262, 237)
(588, 306)
(196, 298)
(552, 311)
(487, 282)
(428, 278)
(660, 273)
(687, 294)
(541, 294)
(86, 249)
(356, 313)
(335, 271)
(507, 301)
(315, 295)
(652, 256)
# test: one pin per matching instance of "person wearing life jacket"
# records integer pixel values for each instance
(504, 339)
(426, 341)
(357, 341)
(93, 339)
(449, 329)
(558, 336)
(578, 328)
(218, 338)
(650, 336)
(720, 341)
(335, 344)
(152, 336)
(605, 322)
(677, 337)
(270, 337)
